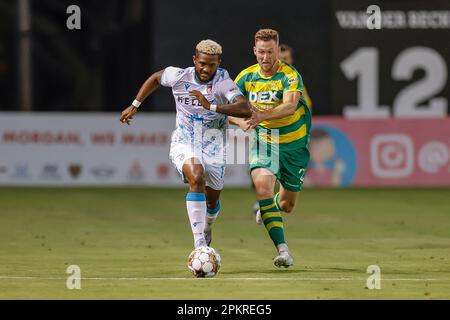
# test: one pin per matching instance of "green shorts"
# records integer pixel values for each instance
(289, 166)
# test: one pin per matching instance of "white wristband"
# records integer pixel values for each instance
(136, 103)
(213, 108)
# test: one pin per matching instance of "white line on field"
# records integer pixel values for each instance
(216, 278)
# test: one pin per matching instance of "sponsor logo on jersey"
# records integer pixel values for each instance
(273, 86)
(189, 101)
(263, 97)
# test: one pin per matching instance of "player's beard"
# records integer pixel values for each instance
(207, 76)
(268, 66)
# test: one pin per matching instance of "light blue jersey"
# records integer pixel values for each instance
(194, 123)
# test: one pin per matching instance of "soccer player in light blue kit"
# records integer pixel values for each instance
(204, 96)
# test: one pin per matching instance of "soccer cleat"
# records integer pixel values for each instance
(257, 213)
(284, 259)
(258, 217)
(208, 236)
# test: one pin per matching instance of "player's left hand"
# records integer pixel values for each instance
(201, 98)
(257, 118)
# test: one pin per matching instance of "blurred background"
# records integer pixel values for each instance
(379, 97)
(99, 67)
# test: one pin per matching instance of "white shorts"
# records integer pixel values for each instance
(214, 167)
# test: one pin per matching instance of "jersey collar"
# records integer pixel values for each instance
(278, 70)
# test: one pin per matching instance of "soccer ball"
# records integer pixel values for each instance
(204, 262)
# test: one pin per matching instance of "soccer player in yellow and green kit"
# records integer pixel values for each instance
(282, 122)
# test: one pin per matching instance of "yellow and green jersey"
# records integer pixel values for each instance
(266, 93)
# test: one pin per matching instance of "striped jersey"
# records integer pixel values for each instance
(266, 93)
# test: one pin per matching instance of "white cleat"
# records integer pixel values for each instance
(258, 218)
(257, 213)
(284, 259)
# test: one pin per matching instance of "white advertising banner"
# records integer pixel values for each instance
(75, 149)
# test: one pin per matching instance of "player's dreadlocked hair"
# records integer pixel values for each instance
(266, 35)
(209, 47)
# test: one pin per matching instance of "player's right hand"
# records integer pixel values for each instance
(127, 114)
(244, 125)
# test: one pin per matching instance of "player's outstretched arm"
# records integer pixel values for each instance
(147, 88)
(287, 108)
(240, 108)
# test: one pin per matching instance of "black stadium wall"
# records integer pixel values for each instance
(304, 25)
(347, 68)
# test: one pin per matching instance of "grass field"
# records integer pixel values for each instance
(133, 244)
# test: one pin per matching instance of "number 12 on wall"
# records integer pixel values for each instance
(363, 66)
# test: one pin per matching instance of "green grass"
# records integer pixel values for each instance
(133, 244)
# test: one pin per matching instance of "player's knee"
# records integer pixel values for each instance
(197, 180)
(263, 191)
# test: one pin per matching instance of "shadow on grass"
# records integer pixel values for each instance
(338, 270)
(261, 273)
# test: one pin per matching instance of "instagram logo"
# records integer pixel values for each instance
(392, 155)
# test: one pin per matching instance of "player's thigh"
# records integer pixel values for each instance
(214, 177)
(293, 169)
(185, 161)
(264, 168)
